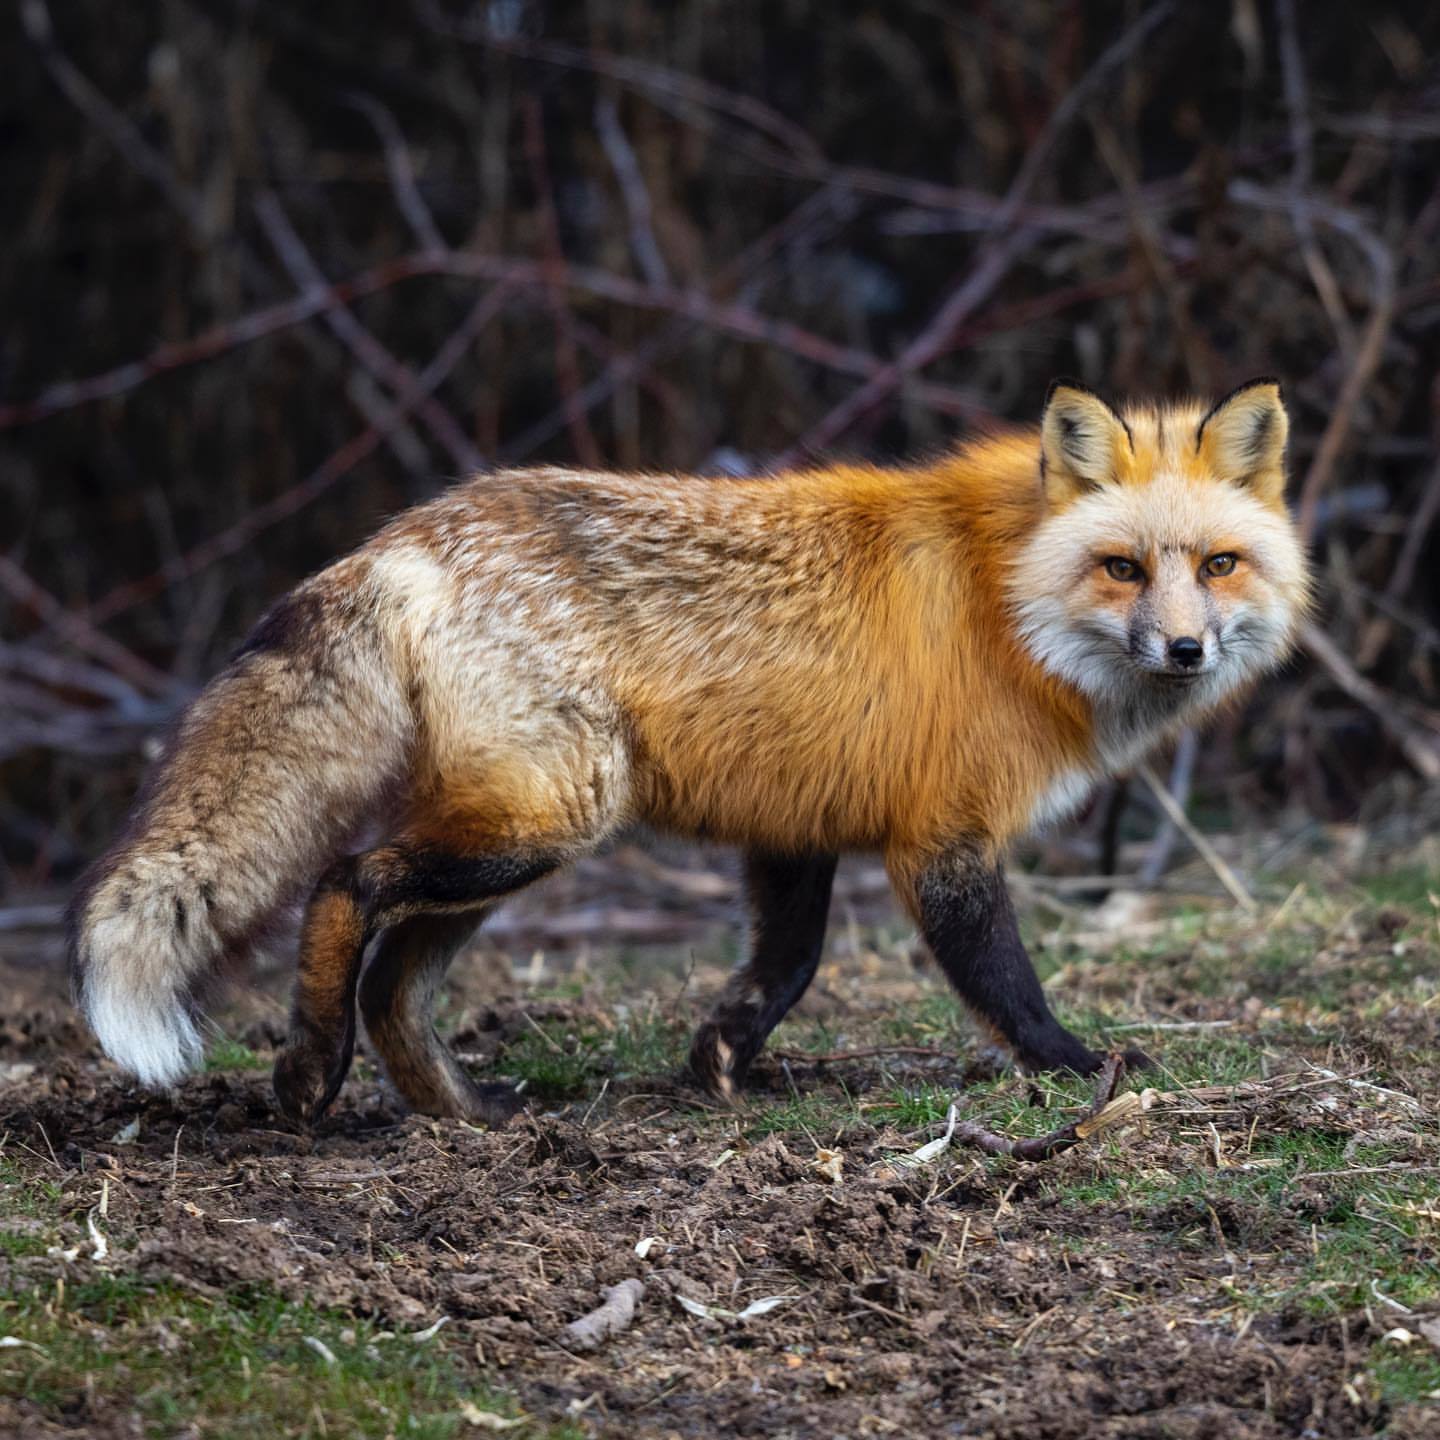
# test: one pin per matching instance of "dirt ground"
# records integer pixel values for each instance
(1257, 1255)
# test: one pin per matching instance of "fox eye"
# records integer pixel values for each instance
(1221, 564)
(1117, 567)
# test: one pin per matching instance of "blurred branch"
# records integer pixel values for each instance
(995, 259)
(360, 342)
(208, 345)
(1182, 775)
(80, 631)
(1147, 233)
(1372, 342)
(1417, 534)
(335, 467)
(567, 365)
(117, 128)
(402, 172)
(1302, 133)
(321, 299)
(656, 81)
(144, 160)
(1421, 749)
(670, 337)
(1175, 813)
(632, 191)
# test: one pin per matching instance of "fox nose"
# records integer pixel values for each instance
(1187, 652)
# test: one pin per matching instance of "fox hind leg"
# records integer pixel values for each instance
(313, 1062)
(397, 997)
(789, 899)
(367, 893)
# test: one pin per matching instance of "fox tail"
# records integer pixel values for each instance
(268, 773)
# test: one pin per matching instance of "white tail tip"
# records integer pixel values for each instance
(152, 1036)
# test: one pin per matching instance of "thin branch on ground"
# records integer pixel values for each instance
(1107, 1082)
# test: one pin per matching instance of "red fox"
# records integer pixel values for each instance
(925, 662)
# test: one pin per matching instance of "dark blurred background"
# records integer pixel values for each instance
(270, 272)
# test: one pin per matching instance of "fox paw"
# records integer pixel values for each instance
(306, 1079)
(716, 1063)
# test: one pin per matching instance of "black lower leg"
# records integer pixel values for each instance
(789, 901)
(968, 921)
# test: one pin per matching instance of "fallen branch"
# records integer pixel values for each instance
(615, 1314)
(968, 1132)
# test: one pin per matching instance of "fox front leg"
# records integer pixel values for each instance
(963, 909)
(789, 900)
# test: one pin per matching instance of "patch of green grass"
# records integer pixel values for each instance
(913, 1106)
(936, 1019)
(242, 1365)
(806, 1035)
(561, 1060)
(820, 1117)
(648, 1044)
(1409, 888)
(1195, 1057)
(21, 1194)
(1358, 1236)
(16, 1243)
(554, 1059)
(227, 1054)
(1407, 1375)
(1102, 1188)
(1358, 1245)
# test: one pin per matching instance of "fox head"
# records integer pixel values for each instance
(1165, 570)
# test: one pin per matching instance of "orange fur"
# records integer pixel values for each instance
(885, 700)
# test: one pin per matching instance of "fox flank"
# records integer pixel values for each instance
(924, 662)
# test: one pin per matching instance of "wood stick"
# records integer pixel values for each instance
(1044, 1146)
(1419, 748)
(1212, 857)
(614, 1314)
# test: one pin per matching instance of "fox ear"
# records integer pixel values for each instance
(1242, 439)
(1082, 441)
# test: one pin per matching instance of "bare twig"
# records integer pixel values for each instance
(218, 340)
(806, 216)
(995, 260)
(1182, 772)
(125, 136)
(657, 81)
(360, 342)
(614, 1315)
(567, 367)
(968, 1132)
(738, 320)
(81, 632)
(1301, 143)
(621, 155)
(1422, 750)
(1417, 532)
(333, 468)
(1367, 355)
(1212, 857)
(402, 172)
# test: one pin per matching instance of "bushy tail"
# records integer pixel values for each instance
(276, 763)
